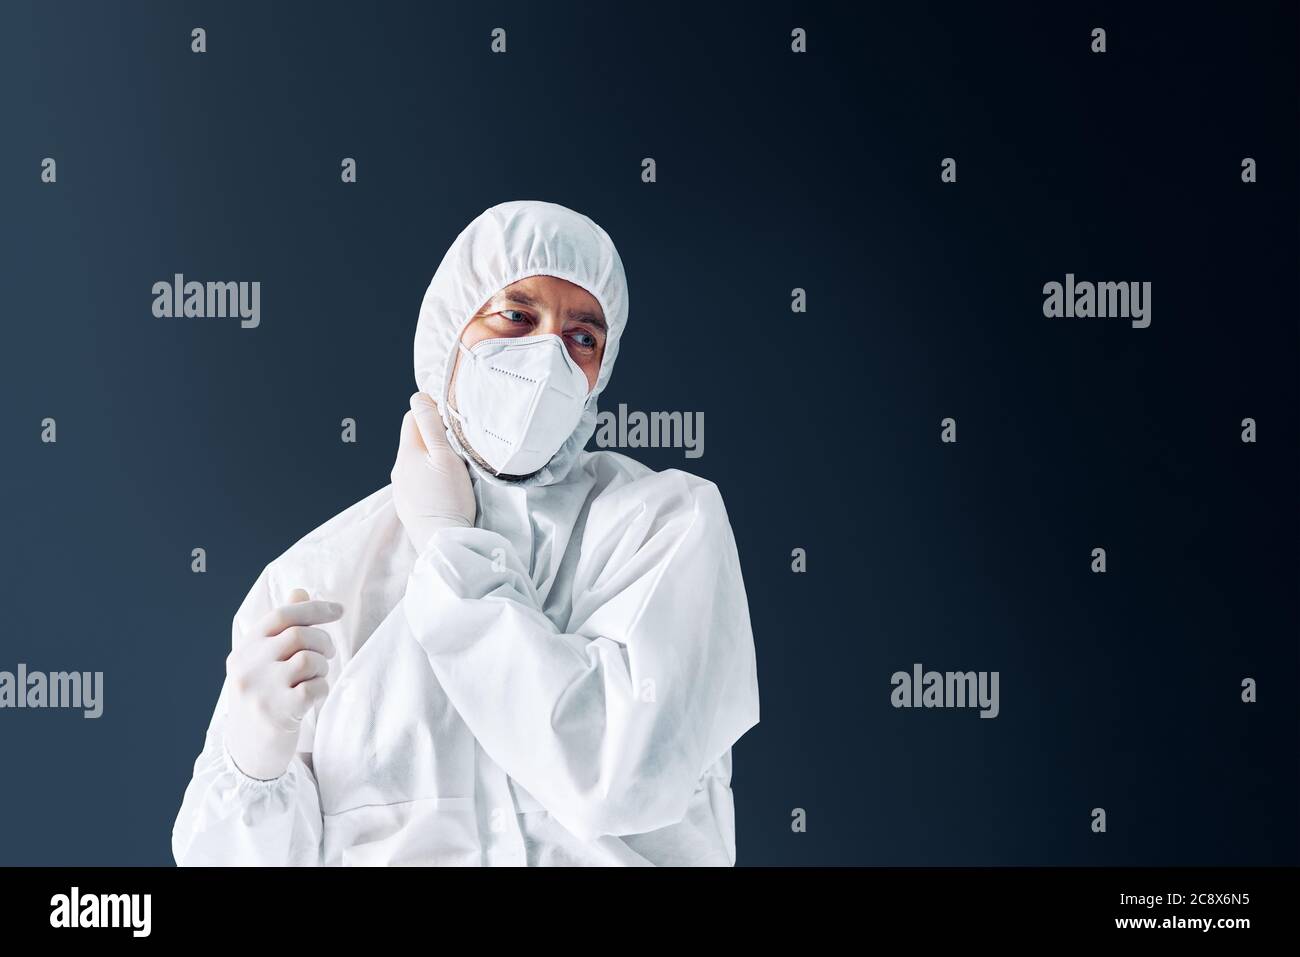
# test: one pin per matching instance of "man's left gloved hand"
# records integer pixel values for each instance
(431, 486)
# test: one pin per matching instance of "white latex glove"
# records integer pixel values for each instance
(431, 487)
(277, 673)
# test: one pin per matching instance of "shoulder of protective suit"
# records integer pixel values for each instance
(358, 513)
(626, 483)
(372, 515)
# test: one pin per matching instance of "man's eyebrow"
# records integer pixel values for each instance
(577, 315)
(520, 297)
(590, 318)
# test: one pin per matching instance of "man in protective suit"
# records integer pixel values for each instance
(519, 652)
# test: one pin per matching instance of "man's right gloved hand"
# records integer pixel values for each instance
(431, 485)
(276, 674)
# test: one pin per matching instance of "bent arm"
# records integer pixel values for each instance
(611, 725)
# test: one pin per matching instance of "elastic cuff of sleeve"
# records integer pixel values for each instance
(247, 781)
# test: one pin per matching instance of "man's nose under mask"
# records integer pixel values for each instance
(518, 400)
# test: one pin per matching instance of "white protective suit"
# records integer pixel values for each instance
(561, 684)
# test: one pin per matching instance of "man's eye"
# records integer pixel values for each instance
(512, 313)
(585, 339)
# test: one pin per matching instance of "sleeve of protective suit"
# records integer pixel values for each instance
(611, 725)
(229, 818)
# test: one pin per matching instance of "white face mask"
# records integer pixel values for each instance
(518, 400)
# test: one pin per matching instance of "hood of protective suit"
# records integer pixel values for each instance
(504, 244)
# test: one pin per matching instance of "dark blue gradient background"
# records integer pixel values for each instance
(822, 430)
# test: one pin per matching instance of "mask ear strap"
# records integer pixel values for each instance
(451, 409)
